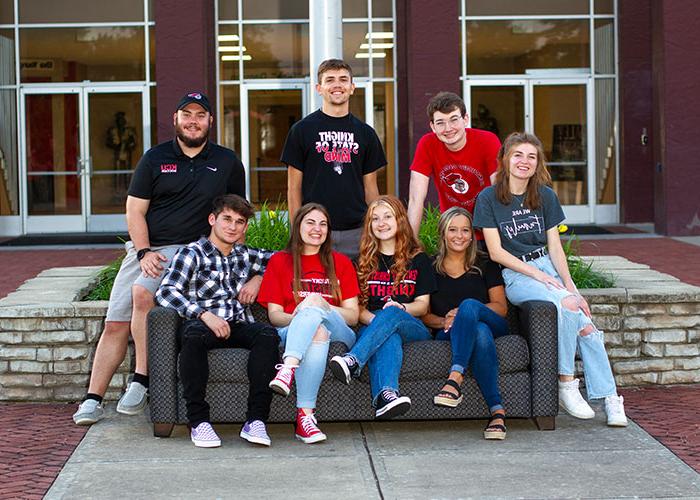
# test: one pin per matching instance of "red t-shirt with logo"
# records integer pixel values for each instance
(277, 285)
(459, 176)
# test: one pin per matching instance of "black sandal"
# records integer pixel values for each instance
(496, 431)
(447, 398)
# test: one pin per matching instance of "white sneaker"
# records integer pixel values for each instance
(89, 412)
(615, 409)
(204, 436)
(133, 401)
(571, 401)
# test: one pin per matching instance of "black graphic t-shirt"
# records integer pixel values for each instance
(522, 230)
(419, 280)
(334, 154)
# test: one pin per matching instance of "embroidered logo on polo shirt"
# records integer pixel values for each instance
(168, 168)
(213, 169)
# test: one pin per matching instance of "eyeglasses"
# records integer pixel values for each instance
(453, 122)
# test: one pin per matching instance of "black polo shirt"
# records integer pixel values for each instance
(181, 189)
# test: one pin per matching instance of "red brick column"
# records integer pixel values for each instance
(185, 56)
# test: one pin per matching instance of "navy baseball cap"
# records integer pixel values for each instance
(194, 97)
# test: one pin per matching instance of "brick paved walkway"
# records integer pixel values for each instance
(666, 255)
(671, 415)
(36, 442)
(17, 266)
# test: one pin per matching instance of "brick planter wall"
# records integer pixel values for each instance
(47, 339)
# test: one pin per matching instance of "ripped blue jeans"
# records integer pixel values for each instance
(596, 366)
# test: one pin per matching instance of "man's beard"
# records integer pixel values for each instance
(191, 142)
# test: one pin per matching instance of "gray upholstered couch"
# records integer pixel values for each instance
(528, 377)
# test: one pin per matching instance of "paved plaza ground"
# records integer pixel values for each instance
(43, 454)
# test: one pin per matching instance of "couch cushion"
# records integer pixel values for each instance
(430, 359)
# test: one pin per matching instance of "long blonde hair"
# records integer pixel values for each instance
(406, 245)
(471, 252)
(541, 177)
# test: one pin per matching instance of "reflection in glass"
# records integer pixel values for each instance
(7, 12)
(229, 51)
(384, 125)
(560, 123)
(231, 117)
(382, 49)
(9, 166)
(604, 46)
(498, 109)
(353, 36)
(80, 11)
(382, 8)
(604, 6)
(354, 9)
(228, 10)
(526, 45)
(77, 54)
(530, 8)
(275, 9)
(116, 144)
(53, 150)
(276, 50)
(271, 113)
(357, 103)
(605, 145)
(7, 57)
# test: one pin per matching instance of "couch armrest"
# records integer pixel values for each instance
(538, 324)
(163, 324)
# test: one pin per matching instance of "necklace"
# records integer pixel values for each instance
(386, 264)
(519, 198)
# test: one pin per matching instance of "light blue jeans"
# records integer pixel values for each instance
(596, 366)
(297, 337)
(381, 344)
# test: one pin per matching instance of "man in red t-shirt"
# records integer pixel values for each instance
(462, 161)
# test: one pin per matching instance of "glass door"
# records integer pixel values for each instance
(117, 136)
(52, 160)
(559, 118)
(268, 111)
(557, 111)
(80, 147)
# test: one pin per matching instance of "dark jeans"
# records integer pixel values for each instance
(196, 339)
(472, 337)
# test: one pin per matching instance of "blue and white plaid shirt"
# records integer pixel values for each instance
(201, 279)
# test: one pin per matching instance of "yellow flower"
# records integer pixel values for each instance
(272, 214)
(563, 228)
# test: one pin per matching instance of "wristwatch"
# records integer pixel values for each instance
(142, 253)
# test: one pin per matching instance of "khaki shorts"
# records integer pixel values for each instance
(120, 301)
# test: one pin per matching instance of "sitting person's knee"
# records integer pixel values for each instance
(142, 297)
(570, 302)
(321, 334)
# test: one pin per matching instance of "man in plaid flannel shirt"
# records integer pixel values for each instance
(204, 284)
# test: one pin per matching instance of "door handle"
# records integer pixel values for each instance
(79, 166)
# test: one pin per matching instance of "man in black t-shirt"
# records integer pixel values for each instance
(332, 158)
(167, 206)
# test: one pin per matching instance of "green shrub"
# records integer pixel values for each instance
(428, 232)
(105, 280)
(269, 229)
(582, 273)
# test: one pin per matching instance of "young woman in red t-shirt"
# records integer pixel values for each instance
(310, 293)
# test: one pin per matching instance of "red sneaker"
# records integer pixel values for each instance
(306, 428)
(282, 383)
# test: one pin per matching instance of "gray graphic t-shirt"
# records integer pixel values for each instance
(522, 230)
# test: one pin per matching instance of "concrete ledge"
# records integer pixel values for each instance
(48, 336)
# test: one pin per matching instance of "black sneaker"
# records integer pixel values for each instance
(390, 404)
(344, 368)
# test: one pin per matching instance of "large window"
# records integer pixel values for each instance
(548, 66)
(94, 46)
(263, 72)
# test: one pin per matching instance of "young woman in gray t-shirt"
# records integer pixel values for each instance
(519, 216)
